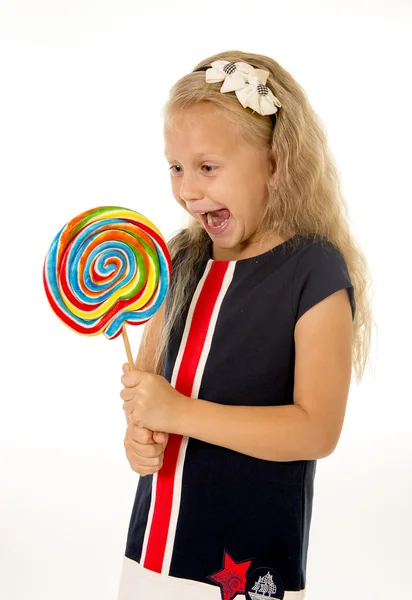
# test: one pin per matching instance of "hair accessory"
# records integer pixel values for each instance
(248, 83)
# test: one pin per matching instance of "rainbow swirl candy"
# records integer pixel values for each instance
(107, 266)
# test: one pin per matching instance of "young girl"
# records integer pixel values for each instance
(243, 375)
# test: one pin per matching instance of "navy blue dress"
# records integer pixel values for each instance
(214, 523)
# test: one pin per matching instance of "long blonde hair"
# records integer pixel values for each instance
(307, 198)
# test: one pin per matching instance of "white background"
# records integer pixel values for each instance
(82, 87)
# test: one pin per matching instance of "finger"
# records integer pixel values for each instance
(142, 435)
(131, 379)
(128, 380)
(159, 437)
(147, 450)
(142, 450)
(128, 406)
(125, 367)
(127, 394)
(156, 461)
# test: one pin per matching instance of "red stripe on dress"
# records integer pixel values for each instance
(202, 314)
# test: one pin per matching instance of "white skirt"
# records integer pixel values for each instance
(138, 582)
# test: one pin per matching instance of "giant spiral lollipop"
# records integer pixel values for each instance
(106, 267)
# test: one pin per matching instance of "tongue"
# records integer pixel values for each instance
(218, 217)
(223, 213)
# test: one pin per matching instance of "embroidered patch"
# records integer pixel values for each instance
(264, 583)
(232, 577)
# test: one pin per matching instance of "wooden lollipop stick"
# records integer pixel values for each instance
(127, 346)
(130, 359)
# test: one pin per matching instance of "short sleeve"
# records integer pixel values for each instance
(321, 271)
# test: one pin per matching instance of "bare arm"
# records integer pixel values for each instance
(306, 430)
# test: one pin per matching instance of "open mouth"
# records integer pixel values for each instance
(216, 221)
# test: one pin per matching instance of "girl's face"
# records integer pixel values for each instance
(211, 169)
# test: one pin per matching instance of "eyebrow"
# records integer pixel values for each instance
(197, 154)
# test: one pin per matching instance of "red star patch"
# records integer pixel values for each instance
(232, 578)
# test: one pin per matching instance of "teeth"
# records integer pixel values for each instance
(210, 222)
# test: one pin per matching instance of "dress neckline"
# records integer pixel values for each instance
(257, 258)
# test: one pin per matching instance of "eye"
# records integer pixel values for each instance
(212, 167)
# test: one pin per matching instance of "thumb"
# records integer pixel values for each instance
(160, 437)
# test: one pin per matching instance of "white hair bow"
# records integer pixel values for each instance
(247, 82)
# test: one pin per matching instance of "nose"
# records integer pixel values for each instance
(190, 189)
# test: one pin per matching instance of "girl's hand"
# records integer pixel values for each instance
(151, 401)
(145, 449)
